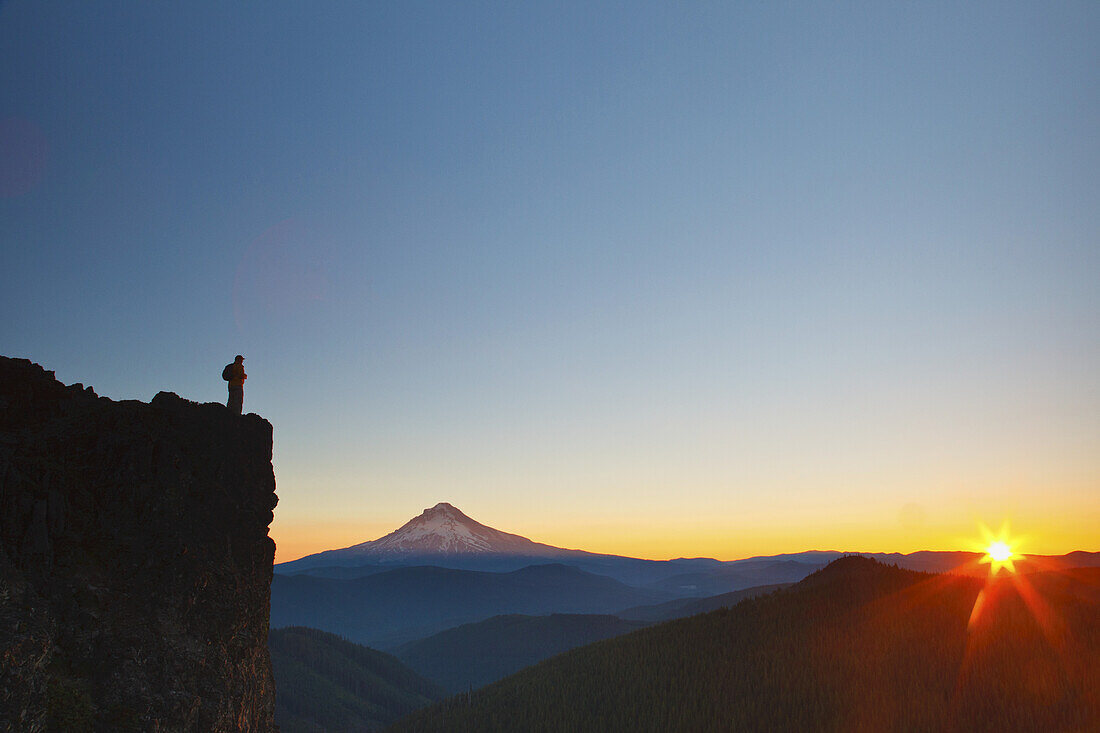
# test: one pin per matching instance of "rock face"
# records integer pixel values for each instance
(135, 566)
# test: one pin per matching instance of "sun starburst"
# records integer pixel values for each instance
(998, 550)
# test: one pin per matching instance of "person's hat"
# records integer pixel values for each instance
(238, 357)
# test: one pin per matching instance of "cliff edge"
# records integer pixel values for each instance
(135, 566)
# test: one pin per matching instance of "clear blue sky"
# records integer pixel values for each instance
(653, 278)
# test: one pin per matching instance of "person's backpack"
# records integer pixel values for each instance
(227, 373)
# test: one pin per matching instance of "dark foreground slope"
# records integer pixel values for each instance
(473, 655)
(856, 646)
(326, 683)
(135, 564)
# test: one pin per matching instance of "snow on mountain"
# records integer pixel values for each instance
(444, 529)
(443, 536)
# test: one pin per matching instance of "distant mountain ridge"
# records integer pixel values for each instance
(444, 536)
(683, 607)
(464, 603)
(473, 655)
(390, 608)
(856, 646)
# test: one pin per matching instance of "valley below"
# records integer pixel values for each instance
(531, 637)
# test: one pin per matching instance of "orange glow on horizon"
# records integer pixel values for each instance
(689, 537)
(298, 539)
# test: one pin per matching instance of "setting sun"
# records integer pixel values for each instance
(998, 551)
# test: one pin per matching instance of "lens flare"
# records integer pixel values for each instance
(998, 551)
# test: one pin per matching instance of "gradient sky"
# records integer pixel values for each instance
(659, 279)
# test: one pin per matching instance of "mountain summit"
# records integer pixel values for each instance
(443, 536)
(444, 529)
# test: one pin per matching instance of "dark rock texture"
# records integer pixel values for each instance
(135, 566)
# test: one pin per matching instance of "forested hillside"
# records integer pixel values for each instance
(325, 683)
(473, 655)
(856, 646)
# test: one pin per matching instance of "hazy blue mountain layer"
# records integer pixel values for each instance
(472, 655)
(386, 609)
(682, 607)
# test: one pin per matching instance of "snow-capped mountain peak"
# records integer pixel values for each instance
(444, 529)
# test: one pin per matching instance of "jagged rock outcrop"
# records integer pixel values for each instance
(135, 565)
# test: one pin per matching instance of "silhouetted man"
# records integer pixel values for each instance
(234, 374)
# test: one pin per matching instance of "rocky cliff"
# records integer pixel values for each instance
(135, 566)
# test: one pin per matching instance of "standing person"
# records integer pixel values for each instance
(234, 374)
